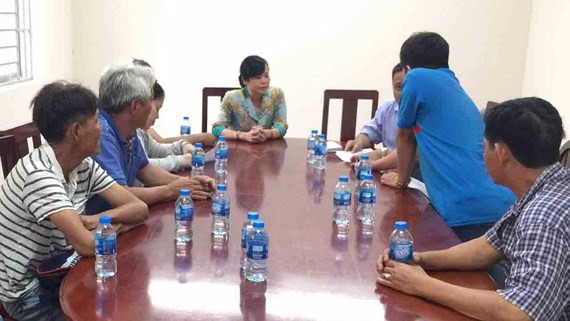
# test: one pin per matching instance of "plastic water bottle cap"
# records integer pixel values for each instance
(105, 220)
(401, 225)
(364, 157)
(186, 118)
(184, 192)
(367, 176)
(222, 138)
(222, 187)
(251, 216)
(258, 224)
(322, 136)
(314, 131)
(198, 145)
(343, 179)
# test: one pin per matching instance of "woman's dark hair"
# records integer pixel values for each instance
(157, 91)
(425, 50)
(397, 68)
(250, 67)
(531, 127)
(60, 104)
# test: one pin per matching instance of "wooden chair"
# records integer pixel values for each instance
(8, 153)
(22, 133)
(211, 92)
(349, 108)
(565, 154)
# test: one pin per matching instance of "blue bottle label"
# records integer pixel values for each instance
(184, 212)
(197, 160)
(311, 144)
(257, 250)
(221, 153)
(105, 246)
(367, 196)
(320, 149)
(360, 171)
(342, 199)
(184, 130)
(402, 253)
(244, 234)
(221, 208)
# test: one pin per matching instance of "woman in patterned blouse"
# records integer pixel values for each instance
(256, 112)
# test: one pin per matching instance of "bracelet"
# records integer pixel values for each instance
(401, 184)
(237, 135)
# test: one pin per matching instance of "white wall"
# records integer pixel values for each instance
(548, 62)
(51, 59)
(310, 46)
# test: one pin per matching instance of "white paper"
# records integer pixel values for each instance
(346, 155)
(333, 146)
(416, 184)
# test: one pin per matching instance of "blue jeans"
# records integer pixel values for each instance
(38, 304)
(498, 272)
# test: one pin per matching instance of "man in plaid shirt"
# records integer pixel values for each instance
(522, 138)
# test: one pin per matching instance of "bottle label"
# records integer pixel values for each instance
(367, 196)
(257, 250)
(197, 160)
(184, 130)
(311, 144)
(221, 153)
(105, 246)
(244, 234)
(360, 171)
(184, 212)
(342, 199)
(402, 253)
(320, 149)
(221, 208)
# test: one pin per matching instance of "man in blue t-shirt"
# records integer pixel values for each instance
(125, 102)
(438, 117)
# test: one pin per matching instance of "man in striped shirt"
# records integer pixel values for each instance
(522, 137)
(43, 196)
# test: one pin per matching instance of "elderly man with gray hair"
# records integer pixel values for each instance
(125, 94)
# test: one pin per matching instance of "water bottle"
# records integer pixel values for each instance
(257, 248)
(184, 215)
(221, 164)
(198, 160)
(366, 200)
(401, 243)
(247, 227)
(311, 146)
(321, 153)
(220, 211)
(362, 167)
(341, 202)
(105, 248)
(185, 128)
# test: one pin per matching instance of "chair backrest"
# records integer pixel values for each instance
(565, 154)
(211, 92)
(349, 108)
(22, 133)
(8, 153)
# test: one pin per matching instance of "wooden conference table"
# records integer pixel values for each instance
(313, 274)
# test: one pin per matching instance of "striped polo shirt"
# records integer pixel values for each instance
(34, 190)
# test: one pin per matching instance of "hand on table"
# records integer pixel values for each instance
(187, 148)
(390, 179)
(353, 146)
(255, 135)
(90, 221)
(403, 277)
(202, 187)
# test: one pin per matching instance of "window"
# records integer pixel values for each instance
(15, 41)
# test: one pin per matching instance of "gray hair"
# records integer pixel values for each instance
(120, 85)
